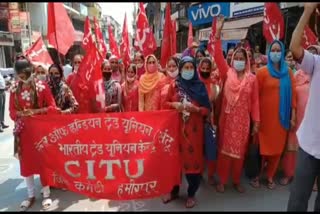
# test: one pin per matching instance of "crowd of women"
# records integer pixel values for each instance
(249, 104)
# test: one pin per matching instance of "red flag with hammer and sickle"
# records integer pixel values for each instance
(125, 45)
(273, 23)
(309, 38)
(87, 41)
(144, 41)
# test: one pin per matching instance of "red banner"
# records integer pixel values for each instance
(309, 38)
(118, 156)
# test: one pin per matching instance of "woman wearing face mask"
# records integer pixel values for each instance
(130, 92)
(205, 70)
(172, 72)
(40, 73)
(139, 61)
(75, 67)
(29, 96)
(61, 92)
(150, 85)
(278, 104)
(188, 95)
(240, 105)
(112, 89)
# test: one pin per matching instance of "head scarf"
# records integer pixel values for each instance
(285, 86)
(55, 86)
(194, 87)
(149, 81)
(234, 86)
(209, 81)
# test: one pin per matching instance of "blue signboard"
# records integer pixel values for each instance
(204, 12)
(249, 11)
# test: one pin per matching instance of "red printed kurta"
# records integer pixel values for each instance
(191, 140)
(164, 92)
(235, 126)
(21, 99)
(130, 97)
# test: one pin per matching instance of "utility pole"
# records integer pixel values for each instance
(29, 23)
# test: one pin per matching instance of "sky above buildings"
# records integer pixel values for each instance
(117, 11)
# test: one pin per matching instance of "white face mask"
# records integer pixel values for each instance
(42, 77)
(173, 74)
(139, 65)
(131, 79)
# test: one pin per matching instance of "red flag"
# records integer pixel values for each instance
(125, 45)
(174, 37)
(38, 54)
(61, 33)
(112, 42)
(309, 38)
(273, 22)
(166, 46)
(87, 41)
(212, 37)
(190, 36)
(99, 38)
(91, 76)
(144, 41)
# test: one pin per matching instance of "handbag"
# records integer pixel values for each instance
(253, 160)
(210, 139)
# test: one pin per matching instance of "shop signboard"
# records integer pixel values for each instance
(203, 13)
(14, 21)
(240, 9)
(6, 39)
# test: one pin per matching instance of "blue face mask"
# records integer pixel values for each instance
(275, 57)
(239, 65)
(187, 75)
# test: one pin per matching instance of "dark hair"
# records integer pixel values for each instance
(104, 63)
(243, 51)
(288, 51)
(200, 51)
(57, 66)
(175, 59)
(208, 61)
(23, 66)
(81, 56)
(140, 55)
(133, 67)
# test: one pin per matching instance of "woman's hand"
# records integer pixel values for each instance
(310, 7)
(220, 23)
(255, 128)
(178, 106)
(192, 108)
(293, 122)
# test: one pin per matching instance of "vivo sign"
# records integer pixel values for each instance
(203, 13)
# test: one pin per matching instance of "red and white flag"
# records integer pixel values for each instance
(113, 43)
(99, 38)
(125, 45)
(144, 41)
(166, 45)
(38, 54)
(309, 38)
(212, 36)
(190, 36)
(91, 76)
(273, 22)
(87, 37)
(61, 34)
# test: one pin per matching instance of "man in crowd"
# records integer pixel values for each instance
(308, 162)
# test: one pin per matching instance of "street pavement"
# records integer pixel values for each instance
(13, 191)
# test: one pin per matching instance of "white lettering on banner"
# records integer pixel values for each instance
(135, 188)
(114, 120)
(166, 140)
(201, 13)
(90, 164)
(100, 97)
(93, 188)
(38, 52)
(57, 179)
(132, 124)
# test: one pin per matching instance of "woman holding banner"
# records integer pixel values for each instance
(61, 92)
(278, 104)
(189, 96)
(150, 85)
(29, 96)
(240, 105)
(130, 90)
(172, 72)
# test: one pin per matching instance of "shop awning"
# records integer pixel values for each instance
(232, 30)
